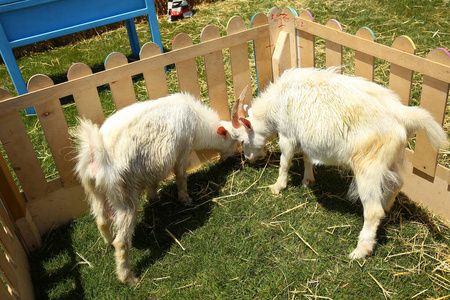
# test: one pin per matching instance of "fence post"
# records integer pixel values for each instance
(155, 79)
(87, 100)
(215, 75)
(364, 63)
(240, 66)
(400, 78)
(56, 131)
(16, 206)
(334, 57)
(122, 90)
(306, 42)
(434, 99)
(283, 40)
(187, 69)
(262, 54)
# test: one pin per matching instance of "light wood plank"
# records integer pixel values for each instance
(7, 224)
(18, 211)
(288, 25)
(334, 52)
(56, 131)
(281, 56)
(122, 89)
(29, 233)
(215, 75)
(155, 79)
(9, 272)
(400, 78)
(21, 154)
(87, 100)
(434, 99)
(4, 294)
(6, 238)
(306, 41)
(416, 63)
(262, 54)
(364, 63)
(240, 66)
(284, 55)
(434, 194)
(9, 192)
(187, 69)
(58, 207)
(273, 17)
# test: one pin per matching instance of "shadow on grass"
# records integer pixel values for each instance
(57, 243)
(54, 267)
(168, 216)
(331, 188)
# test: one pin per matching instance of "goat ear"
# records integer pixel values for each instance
(222, 131)
(246, 123)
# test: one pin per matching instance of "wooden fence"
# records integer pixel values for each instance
(281, 39)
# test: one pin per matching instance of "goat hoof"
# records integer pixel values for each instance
(357, 253)
(308, 183)
(130, 279)
(275, 189)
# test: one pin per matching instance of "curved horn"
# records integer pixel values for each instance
(241, 111)
(238, 109)
(234, 115)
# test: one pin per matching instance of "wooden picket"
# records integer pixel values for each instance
(334, 50)
(262, 53)
(87, 100)
(400, 78)
(215, 74)
(281, 40)
(364, 63)
(240, 66)
(155, 79)
(14, 267)
(122, 89)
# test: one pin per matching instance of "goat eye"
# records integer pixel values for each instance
(242, 142)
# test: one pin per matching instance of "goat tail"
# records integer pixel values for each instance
(416, 118)
(92, 157)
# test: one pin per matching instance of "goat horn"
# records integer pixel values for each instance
(238, 109)
(241, 111)
(234, 115)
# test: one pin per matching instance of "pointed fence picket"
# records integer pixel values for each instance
(281, 39)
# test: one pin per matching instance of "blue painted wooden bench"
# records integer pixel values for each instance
(23, 22)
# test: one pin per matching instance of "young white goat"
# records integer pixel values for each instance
(135, 149)
(336, 120)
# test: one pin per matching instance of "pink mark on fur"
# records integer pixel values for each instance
(92, 163)
(110, 211)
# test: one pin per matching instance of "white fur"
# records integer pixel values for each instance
(134, 150)
(338, 120)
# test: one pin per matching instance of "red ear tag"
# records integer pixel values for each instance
(222, 131)
(246, 123)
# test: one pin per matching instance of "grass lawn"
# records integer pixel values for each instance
(239, 241)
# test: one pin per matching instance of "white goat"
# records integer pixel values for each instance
(135, 149)
(336, 120)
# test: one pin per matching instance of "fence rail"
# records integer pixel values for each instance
(281, 39)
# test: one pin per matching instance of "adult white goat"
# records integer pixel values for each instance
(135, 149)
(336, 120)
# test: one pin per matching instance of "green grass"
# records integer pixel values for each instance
(240, 241)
